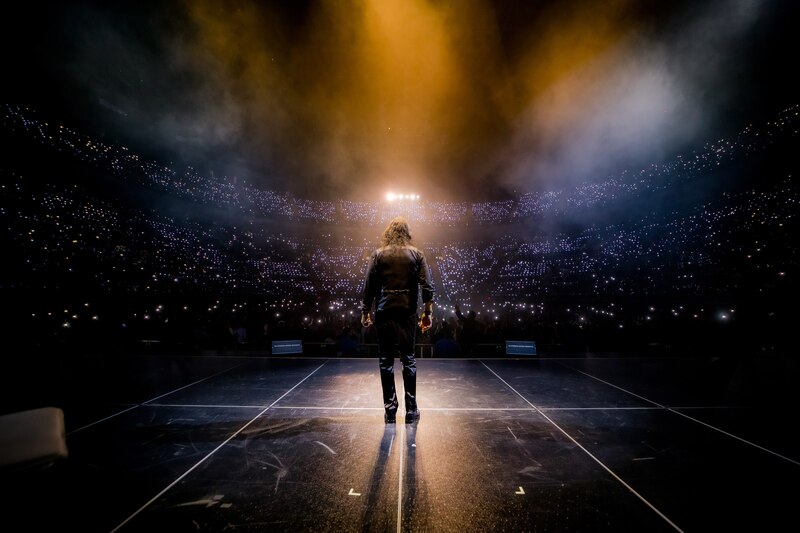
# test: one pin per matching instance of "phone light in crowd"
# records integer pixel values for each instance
(391, 197)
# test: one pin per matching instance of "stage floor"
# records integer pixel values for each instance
(160, 443)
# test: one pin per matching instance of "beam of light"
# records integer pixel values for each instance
(459, 97)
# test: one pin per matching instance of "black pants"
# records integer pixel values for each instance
(396, 330)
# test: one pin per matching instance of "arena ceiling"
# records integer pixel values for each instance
(467, 99)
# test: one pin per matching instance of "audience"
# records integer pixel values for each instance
(86, 267)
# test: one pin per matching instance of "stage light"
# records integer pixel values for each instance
(391, 196)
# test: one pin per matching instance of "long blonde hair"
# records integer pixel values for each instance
(397, 232)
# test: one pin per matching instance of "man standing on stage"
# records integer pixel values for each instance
(394, 275)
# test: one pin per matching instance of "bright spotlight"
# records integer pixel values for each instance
(391, 196)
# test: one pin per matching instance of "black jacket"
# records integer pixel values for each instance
(394, 276)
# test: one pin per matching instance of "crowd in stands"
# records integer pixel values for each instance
(82, 267)
(240, 193)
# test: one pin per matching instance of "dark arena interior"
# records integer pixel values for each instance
(191, 192)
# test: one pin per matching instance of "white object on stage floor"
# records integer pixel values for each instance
(32, 439)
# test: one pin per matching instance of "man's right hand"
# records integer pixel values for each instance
(426, 322)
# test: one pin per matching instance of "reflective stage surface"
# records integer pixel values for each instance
(160, 443)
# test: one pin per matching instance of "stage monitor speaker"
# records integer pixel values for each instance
(284, 347)
(520, 348)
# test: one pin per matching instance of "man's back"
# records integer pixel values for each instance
(394, 276)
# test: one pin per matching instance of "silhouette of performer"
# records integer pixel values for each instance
(396, 272)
